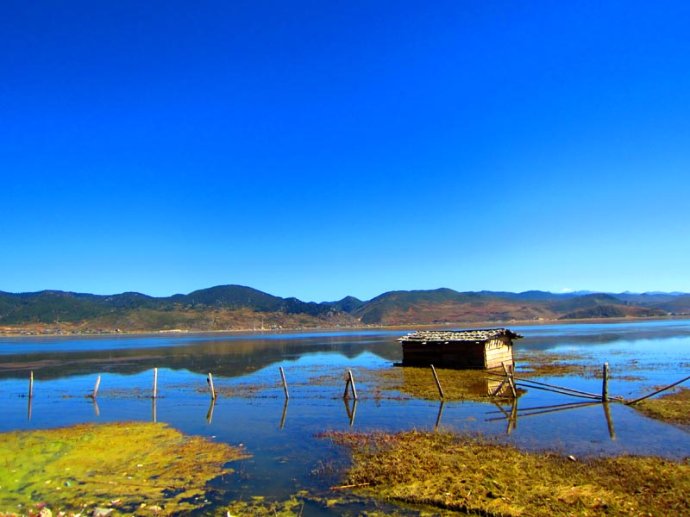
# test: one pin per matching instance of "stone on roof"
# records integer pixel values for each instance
(472, 335)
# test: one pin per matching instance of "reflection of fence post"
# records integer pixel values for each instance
(209, 380)
(31, 384)
(512, 419)
(285, 388)
(605, 383)
(155, 383)
(438, 383)
(351, 412)
(284, 415)
(511, 380)
(209, 413)
(439, 415)
(609, 421)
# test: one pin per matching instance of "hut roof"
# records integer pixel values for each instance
(473, 335)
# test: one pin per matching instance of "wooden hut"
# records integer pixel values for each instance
(477, 349)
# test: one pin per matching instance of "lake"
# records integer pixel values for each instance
(283, 437)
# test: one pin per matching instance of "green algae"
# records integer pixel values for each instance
(449, 472)
(127, 468)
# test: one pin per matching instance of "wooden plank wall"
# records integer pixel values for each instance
(496, 352)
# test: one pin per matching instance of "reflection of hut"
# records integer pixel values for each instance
(485, 348)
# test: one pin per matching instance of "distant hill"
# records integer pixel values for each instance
(241, 307)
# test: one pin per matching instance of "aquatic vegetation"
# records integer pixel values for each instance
(419, 382)
(305, 503)
(260, 507)
(475, 475)
(673, 407)
(133, 468)
(543, 364)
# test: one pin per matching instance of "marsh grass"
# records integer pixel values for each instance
(126, 468)
(673, 407)
(475, 475)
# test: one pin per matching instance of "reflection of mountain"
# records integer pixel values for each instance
(547, 336)
(222, 357)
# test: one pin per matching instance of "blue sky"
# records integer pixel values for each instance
(319, 149)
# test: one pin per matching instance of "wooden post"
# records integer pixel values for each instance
(351, 383)
(209, 380)
(285, 387)
(511, 381)
(95, 388)
(438, 383)
(31, 384)
(155, 383)
(605, 383)
(347, 387)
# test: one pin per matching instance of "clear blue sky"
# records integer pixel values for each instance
(319, 149)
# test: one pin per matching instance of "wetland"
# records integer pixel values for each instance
(266, 454)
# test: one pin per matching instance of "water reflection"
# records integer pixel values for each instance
(350, 409)
(222, 355)
(439, 415)
(284, 456)
(209, 413)
(283, 416)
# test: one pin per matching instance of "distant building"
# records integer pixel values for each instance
(471, 349)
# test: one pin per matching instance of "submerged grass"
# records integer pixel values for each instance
(542, 364)
(124, 468)
(473, 475)
(674, 407)
(419, 383)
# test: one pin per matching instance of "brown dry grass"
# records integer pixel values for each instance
(473, 475)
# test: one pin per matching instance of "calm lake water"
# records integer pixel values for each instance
(287, 454)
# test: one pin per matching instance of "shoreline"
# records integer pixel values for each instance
(7, 332)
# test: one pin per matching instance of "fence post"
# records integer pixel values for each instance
(605, 384)
(285, 387)
(209, 380)
(511, 380)
(95, 388)
(350, 382)
(438, 383)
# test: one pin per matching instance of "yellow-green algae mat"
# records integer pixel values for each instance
(133, 468)
(673, 407)
(449, 473)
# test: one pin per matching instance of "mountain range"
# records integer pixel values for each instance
(239, 307)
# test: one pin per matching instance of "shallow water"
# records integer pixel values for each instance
(282, 437)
